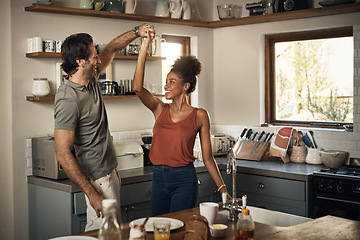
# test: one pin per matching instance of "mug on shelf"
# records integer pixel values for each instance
(49, 46)
(114, 6)
(157, 45)
(130, 6)
(86, 4)
(176, 8)
(58, 45)
(162, 8)
(37, 44)
(99, 5)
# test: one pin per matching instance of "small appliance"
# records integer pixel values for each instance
(221, 143)
(129, 155)
(44, 163)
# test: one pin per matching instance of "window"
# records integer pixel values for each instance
(172, 48)
(309, 77)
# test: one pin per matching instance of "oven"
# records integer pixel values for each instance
(336, 191)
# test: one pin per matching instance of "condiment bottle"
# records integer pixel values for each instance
(245, 225)
(109, 228)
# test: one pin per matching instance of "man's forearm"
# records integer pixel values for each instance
(74, 172)
(114, 46)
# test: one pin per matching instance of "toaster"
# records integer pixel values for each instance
(221, 144)
(44, 163)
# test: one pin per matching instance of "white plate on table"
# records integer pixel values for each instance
(175, 224)
(74, 238)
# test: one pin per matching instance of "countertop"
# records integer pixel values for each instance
(328, 227)
(278, 169)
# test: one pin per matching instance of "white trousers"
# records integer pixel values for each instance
(109, 187)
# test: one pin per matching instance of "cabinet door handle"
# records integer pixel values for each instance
(199, 182)
(132, 208)
(260, 185)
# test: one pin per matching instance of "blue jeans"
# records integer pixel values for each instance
(173, 189)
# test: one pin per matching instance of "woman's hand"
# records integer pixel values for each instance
(150, 35)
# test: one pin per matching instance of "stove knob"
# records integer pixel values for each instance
(330, 187)
(321, 186)
(340, 188)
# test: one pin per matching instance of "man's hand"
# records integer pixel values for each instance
(145, 28)
(95, 200)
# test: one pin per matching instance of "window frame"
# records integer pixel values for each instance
(184, 41)
(270, 93)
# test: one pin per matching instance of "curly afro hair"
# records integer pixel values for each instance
(188, 67)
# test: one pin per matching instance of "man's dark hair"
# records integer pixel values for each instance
(75, 47)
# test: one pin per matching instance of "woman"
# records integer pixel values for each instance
(174, 185)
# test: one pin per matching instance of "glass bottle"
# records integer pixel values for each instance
(245, 226)
(109, 228)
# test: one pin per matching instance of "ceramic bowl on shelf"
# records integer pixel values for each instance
(333, 158)
(229, 11)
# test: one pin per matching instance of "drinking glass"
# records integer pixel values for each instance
(161, 230)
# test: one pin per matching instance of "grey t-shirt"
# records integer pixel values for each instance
(81, 109)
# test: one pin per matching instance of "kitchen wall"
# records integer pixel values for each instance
(232, 61)
(36, 118)
(240, 82)
(6, 149)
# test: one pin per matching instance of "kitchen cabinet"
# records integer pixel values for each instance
(135, 201)
(299, 14)
(54, 213)
(208, 189)
(284, 195)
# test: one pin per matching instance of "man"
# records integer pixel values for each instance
(81, 120)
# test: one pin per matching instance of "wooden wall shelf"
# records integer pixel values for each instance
(307, 13)
(52, 98)
(118, 57)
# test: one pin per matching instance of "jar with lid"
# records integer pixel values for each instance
(40, 87)
(109, 228)
(245, 226)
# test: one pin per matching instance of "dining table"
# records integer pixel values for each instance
(327, 227)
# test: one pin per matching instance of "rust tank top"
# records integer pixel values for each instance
(173, 142)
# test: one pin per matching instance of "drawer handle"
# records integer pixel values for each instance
(260, 185)
(132, 208)
(199, 182)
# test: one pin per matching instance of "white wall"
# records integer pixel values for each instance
(6, 150)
